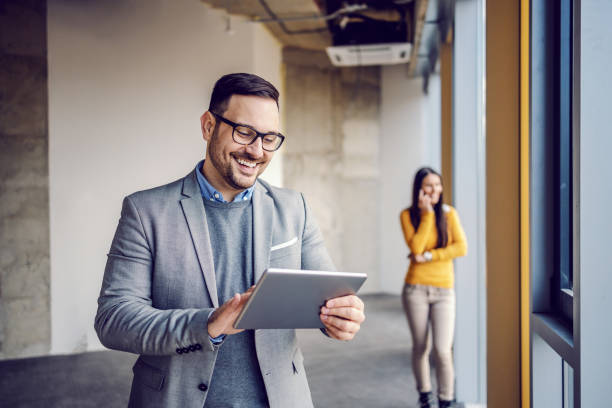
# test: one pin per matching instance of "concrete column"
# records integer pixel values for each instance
(331, 154)
(24, 181)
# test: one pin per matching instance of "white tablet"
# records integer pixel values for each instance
(292, 299)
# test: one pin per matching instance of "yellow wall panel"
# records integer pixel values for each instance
(503, 212)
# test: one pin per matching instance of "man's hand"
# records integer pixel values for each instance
(222, 320)
(342, 317)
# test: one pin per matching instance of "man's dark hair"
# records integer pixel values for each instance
(239, 84)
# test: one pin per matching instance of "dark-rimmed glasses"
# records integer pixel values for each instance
(245, 135)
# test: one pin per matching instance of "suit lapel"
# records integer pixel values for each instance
(193, 208)
(263, 208)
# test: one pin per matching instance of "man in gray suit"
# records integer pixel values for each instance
(185, 256)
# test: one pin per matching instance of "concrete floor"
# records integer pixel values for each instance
(371, 371)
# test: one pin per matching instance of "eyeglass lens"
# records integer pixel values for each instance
(245, 135)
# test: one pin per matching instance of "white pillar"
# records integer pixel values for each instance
(469, 199)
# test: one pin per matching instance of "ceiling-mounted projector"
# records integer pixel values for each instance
(379, 33)
(369, 54)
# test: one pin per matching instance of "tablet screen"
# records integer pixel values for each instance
(292, 299)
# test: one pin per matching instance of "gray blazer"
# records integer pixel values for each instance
(159, 288)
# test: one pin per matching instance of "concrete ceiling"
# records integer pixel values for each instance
(432, 23)
(308, 34)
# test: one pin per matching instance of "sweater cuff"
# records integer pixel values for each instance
(428, 220)
(435, 255)
(427, 214)
(215, 342)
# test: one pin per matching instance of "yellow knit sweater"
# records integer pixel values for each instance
(439, 271)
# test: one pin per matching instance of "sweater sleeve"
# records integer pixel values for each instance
(456, 248)
(417, 240)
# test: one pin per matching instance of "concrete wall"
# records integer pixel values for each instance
(356, 138)
(332, 154)
(267, 57)
(127, 85)
(24, 198)
(410, 129)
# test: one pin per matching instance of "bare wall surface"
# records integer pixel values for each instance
(128, 82)
(24, 198)
(410, 129)
(331, 154)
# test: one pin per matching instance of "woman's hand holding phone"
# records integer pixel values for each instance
(424, 202)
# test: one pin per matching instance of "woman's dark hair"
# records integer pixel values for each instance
(239, 84)
(415, 211)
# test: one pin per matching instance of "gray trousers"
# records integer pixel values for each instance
(425, 307)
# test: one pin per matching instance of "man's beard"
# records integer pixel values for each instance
(225, 170)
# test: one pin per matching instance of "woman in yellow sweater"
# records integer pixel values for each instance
(434, 235)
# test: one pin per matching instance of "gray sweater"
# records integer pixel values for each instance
(237, 380)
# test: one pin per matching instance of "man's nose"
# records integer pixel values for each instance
(255, 148)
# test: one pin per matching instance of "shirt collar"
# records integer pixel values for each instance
(211, 194)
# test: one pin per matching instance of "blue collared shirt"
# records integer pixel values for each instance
(210, 193)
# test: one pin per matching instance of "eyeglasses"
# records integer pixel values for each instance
(245, 135)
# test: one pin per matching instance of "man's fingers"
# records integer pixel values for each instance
(339, 334)
(333, 333)
(236, 305)
(345, 301)
(348, 313)
(225, 309)
(340, 324)
(222, 320)
(230, 303)
(342, 316)
(236, 302)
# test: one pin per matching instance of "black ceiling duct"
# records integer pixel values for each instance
(359, 28)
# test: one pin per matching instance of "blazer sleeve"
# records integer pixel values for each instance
(458, 246)
(125, 319)
(314, 253)
(417, 241)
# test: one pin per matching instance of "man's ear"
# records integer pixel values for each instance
(207, 123)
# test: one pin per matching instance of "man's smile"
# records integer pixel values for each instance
(247, 166)
(245, 162)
